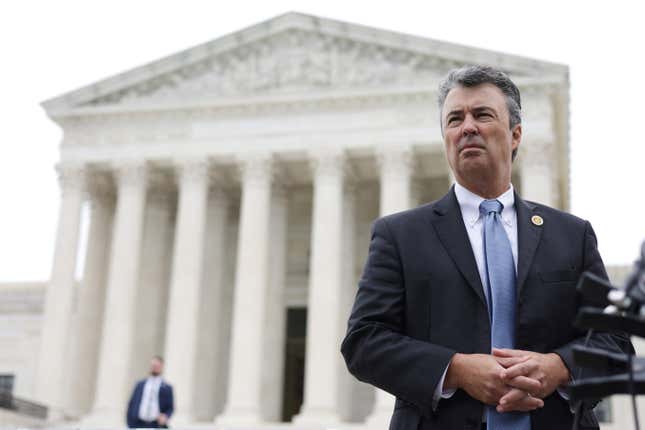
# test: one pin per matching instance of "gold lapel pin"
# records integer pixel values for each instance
(537, 220)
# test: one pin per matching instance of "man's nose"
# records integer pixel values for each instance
(469, 127)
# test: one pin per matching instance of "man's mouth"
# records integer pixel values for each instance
(471, 143)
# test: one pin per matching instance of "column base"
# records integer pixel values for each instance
(55, 415)
(317, 418)
(238, 419)
(182, 420)
(103, 418)
(382, 413)
(379, 420)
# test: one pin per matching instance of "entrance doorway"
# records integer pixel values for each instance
(294, 363)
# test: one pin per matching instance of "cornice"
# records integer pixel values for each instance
(274, 103)
(248, 104)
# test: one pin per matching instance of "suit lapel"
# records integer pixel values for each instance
(528, 238)
(449, 225)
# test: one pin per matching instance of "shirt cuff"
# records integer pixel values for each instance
(440, 392)
(565, 396)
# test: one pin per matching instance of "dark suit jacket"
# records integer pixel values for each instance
(420, 300)
(166, 402)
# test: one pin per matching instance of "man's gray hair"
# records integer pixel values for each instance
(472, 76)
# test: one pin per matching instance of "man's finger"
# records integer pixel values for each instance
(525, 384)
(521, 369)
(506, 352)
(510, 361)
(525, 404)
(512, 396)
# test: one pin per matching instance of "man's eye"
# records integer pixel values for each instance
(452, 120)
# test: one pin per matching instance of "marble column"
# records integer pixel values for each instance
(113, 380)
(322, 364)
(348, 393)
(244, 402)
(275, 319)
(183, 306)
(91, 300)
(214, 320)
(396, 174)
(538, 172)
(154, 274)
(395, 166)
(51, 386)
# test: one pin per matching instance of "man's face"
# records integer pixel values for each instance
(156, 367)
(476, 131)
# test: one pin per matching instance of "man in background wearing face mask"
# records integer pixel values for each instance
(151, 403)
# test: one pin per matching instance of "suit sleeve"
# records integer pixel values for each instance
(376, 348)
(131, 413)
(169, 404)
(617, 342)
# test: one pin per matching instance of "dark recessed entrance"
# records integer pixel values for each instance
(294, 363)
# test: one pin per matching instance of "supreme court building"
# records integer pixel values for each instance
(229, 191)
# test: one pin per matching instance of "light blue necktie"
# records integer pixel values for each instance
(500, 271)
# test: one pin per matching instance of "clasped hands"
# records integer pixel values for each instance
(512, 379)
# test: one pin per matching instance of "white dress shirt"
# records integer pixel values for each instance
(469, 204)
(149, 406)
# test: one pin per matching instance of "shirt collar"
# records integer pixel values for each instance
(469, 203)
(155, 379)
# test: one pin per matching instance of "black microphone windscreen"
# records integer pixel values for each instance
(594, 289)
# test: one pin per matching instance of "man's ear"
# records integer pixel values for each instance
(516, 134)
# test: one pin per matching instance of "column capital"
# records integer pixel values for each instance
(256, 167)
(328, 162)
(193, 170)
(71, 176)
(130, 173)
(394, 158)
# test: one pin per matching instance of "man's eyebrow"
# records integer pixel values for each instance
(454, 112)
(482, 108)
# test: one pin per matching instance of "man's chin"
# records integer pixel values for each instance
(475, 163)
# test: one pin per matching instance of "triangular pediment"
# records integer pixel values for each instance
(293, 53)
(291, 61)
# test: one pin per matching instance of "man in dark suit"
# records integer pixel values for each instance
(465, 307)
(151, 404)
